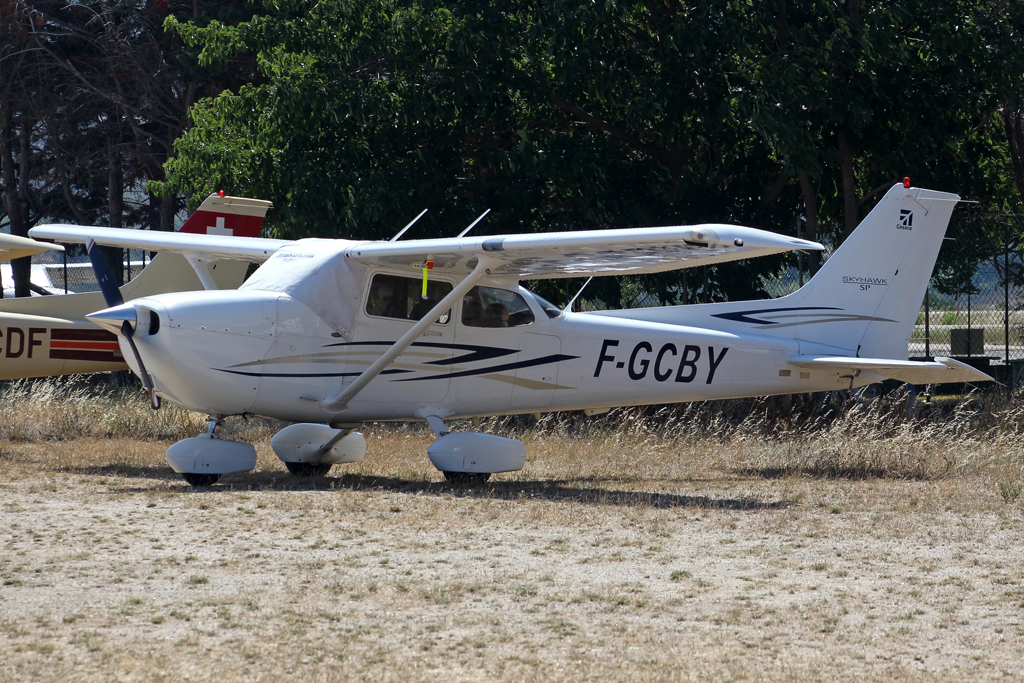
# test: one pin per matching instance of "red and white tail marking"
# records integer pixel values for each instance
(232, 216)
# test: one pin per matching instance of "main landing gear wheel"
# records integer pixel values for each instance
(307, 469)
(200, 479)
(467, 478)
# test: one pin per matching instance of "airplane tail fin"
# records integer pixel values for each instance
(867, 296)
(220, 215)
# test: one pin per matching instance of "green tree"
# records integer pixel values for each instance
(882, 91)
(561, 115)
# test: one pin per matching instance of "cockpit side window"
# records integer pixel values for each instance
(394, 296)
(493, 307)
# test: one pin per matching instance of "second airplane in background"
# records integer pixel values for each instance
(49, 335)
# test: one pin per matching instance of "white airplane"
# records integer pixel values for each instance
(329, 334)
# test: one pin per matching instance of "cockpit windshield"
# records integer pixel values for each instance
(550, 309)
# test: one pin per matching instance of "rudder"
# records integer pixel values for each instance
(873, 285)
(221, 215)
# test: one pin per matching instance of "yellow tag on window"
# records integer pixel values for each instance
(427, 266)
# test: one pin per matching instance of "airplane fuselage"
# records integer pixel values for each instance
(40, 346)
(265, 353)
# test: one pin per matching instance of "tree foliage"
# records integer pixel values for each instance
(565, 115)
(354, 116)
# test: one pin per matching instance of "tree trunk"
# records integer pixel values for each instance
(850, 202)
(777, 188)
(1014, 121)
(810, 196)
(9, 195)
(62, 171)
(22, 267)
(115, 207)
(167, 211)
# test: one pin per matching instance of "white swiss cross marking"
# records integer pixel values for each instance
(219, 229)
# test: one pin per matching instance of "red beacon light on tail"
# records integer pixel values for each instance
(906, 181)
(223, 215)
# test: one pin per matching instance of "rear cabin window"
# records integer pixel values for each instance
(394, 296)
(492, 307)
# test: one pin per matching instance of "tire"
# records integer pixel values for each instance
(467, 478)
(200, 479)
(308, 469)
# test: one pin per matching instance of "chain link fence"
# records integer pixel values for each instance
(69, 272)
(974, 307)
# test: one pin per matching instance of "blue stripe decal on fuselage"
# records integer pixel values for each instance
(741, 316)
(544, 360)
(476, 353)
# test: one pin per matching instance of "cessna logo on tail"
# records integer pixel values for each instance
(906, 220)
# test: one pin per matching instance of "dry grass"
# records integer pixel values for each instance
(705, 542)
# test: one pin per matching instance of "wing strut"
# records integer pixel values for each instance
(339, 403)
(202, 267)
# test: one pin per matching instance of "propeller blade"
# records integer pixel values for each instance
(129, 333)
(104, 276)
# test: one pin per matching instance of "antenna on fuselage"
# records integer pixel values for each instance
(473, 224)
(402, 231)
(568, 306)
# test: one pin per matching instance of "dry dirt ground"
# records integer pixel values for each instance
(601, 560)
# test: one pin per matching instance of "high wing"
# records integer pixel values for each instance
(212, 247)
(584, 253)
(536, 256)
(939, 371)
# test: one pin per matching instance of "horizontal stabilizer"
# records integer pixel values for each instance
(939, 371)
(12, 247)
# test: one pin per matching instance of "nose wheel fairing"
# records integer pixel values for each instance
(315, 444)
(208, 454)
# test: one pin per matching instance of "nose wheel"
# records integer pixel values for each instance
(200, 479)
(308, 469)
(466, 478)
